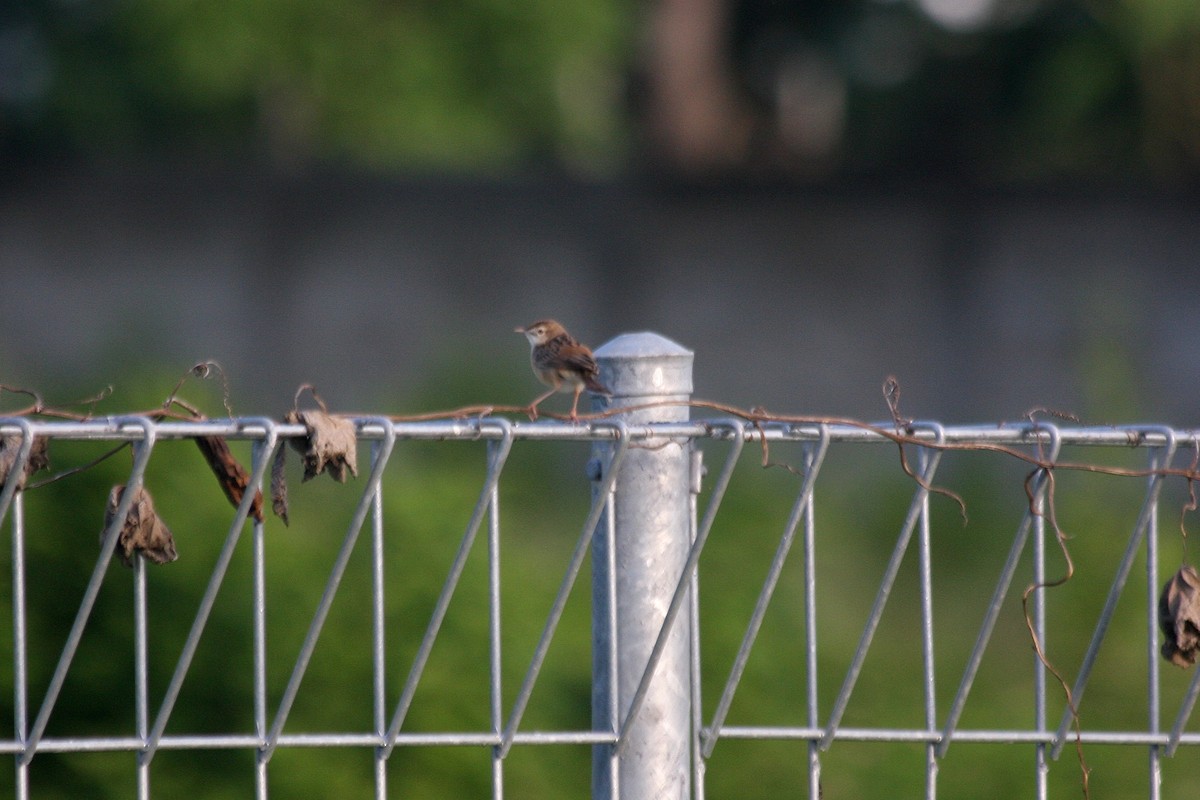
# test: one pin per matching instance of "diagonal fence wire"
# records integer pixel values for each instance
(611, 470)
(141, 457)
(381, 456)
(881, 597)
(1007, 572)
(684, 583)
(1114, 593)
(263, 455)
(803, 501)
(498, 456)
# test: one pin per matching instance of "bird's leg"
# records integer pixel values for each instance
(531, 410)
(575, 403)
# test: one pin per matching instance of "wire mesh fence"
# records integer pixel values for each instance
(832, 622)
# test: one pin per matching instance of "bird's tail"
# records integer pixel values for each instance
(596, 387)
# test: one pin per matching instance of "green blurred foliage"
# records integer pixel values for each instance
(1011, 93)
(1024, 91)
(468, 85)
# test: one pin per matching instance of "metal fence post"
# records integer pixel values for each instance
(647, 528)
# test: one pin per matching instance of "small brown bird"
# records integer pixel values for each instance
(561, 363)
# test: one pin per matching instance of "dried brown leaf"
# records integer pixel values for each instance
(143, 530)
(230, 474)
(39, 458)
(1179, 617)
(279, 490)
(330, 445)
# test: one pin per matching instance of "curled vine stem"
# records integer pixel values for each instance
(1190, 505)
(312, 391)
(35, 408)
(1049, 514)
(1038, 411)
(66, 473)
(903, 426)
(202, 370)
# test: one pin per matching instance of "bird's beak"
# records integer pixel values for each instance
(518, 329)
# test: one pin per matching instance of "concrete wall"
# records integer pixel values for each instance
(984, 304)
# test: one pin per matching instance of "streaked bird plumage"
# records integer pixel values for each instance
(561, 362)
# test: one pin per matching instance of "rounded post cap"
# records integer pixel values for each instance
(645, 364)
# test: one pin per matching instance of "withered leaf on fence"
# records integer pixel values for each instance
(39, 458)
(143, 530)
(230, 474)
(279, 490)
(330, 445)
(1179, 617)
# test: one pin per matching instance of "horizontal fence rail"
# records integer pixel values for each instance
(675, 637)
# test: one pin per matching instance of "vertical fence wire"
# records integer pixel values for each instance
(925, 571)
(141, 674)
(20, 655)
(697, 697)
(1038, 600)
(606, 708)
(259, 625)
(378, 633)
(812, 459)
(495, 640)
(1153, 694)
(1189, 698)
(11, 499)
(1159, 457)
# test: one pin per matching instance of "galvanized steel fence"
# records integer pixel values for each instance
(654, 729)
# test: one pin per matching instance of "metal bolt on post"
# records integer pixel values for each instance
(638, 555)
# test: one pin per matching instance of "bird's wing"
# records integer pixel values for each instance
(579, 358)
(566, 353)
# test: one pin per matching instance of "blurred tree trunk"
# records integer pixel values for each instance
(695, 120)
